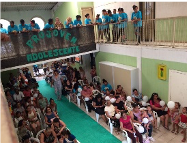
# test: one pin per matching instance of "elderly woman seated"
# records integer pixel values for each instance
(110, 113)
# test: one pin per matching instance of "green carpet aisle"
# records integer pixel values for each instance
(80, 124)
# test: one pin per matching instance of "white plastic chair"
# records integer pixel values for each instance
(86, 106)
(110, 124)
(128, 140)
(69, 98)
(157, 118)
(78, 100)
(81, 82)
(97, 117)
(38, 134)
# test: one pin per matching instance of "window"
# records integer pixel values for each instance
(40, 22)
(5, 23)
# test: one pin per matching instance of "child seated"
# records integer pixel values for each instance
(152, 118)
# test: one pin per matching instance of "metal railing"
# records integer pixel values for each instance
(161, 32)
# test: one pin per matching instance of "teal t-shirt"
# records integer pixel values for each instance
(48, 26)
(68, 26)
(137, 15)
(3, 30)
(11, 29)
(87, 21)
(122, 16)
(77, 22)
(100, 22)
(36, 26)
(23, 26)
(105, 19)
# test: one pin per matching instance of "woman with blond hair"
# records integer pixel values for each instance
(58, 24)
(68, 23)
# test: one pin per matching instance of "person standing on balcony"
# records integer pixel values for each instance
(22, 26)
(122, 18)
(58, 24)
(3, 30)
(115, 15)
(105, 24)
(98, 22)
(88, 21)
(77, 22)
(68, 23)
(137, 21)
(13, 28)
(34, 26)
(49, 25)
(112, 19)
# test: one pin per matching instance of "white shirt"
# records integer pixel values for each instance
(110, 109)
(47, 72)
(18, 97)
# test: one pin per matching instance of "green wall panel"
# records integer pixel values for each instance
(150, 81)
(121, 59)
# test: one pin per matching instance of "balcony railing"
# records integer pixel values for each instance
(161, 32)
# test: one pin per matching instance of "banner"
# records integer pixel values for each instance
(30, 47)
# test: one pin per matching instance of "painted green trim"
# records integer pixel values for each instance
(121, 59)
(150, 81)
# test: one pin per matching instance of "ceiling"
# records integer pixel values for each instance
(23, 6)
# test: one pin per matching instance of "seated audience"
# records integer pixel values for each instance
(18, 96)
(106, 86)
(9, 98)
(3, 30)
(67, 137)
(22, 26)
(30, 103)
(93, 73)
(27, 92)
(58, 126)
(17, 118)
(13, 28)
(49, 116)
(19, 108)
(31, 116)
(53, 105)
(119, 105)
(99, 105)
(155, 104)
(77, 22)
(137, 96)
(87, 93)
(127, 125)
(48, 136)
(49, 25)
(28, 139)
(58, 24)
(120, 91)
(68, 23)
(42, 102)
(34, 26)
(110, 113)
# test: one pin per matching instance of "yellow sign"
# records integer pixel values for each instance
(162, 72)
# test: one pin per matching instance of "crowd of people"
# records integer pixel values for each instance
(118, 20)
(29, 108)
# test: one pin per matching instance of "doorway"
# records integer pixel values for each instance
(84, 11)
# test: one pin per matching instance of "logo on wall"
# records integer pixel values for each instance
(162, 72)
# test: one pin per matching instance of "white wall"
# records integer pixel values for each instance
(170, 9)
(127, 6)
(26, 15)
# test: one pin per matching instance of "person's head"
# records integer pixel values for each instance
(25, 139)
(1, 25)
(154, 97)
(18, 105)
(68, 82)
(124, 114)
(98, 97)
(109, 12)
(105, 82)
(97, 16)
(87, 16)
(135, 8)
(114, 11)
(78, 17)
(122, 10)
(65, 133)
(108, 103)
(107, 92)
(119, 10)
(135, 91)
(104, 11)
(177, 105)
(17, 91)
(18, 114)
(40, 96)
(149, 108)
(57, 20)
(50, 21)
(22, 22)
(51, 101)
(32, 23)
(184, 110)
(48, 131)
(56, 121)
(118, 99)
(135, 107)
(119, 87)
(21, 123)
(12, 23)
(28, 108)
(84, 87)
(56, 73)
(48, 110)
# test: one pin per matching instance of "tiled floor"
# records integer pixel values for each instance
(161, 136)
